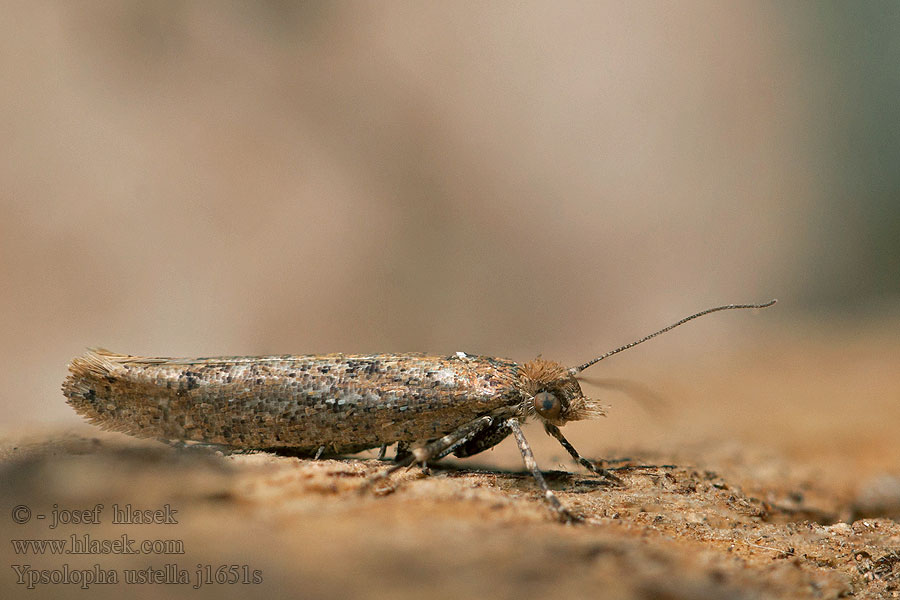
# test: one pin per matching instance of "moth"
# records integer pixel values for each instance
(336, 404)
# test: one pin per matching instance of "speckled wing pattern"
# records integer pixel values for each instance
(346, 403)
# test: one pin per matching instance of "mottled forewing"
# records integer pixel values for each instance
(343, 402)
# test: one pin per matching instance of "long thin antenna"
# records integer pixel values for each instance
(575, 370)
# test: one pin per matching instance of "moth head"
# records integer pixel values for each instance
(554, 395)
(553, 391)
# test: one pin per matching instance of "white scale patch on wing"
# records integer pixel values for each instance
(445, 376)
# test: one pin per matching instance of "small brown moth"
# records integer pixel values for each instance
(342, 403)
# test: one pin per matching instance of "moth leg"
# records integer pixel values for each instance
(199, 446)
(402, 451)
(485, 439)
(442, 446)
(382, 451)
(555, 432)
(531, 465)
(435, 448)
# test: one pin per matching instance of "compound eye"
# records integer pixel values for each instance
(547, 405)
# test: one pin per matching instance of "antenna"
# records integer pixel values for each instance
(575, 370)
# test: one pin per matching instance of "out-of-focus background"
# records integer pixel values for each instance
(507, 178)
(202, 178)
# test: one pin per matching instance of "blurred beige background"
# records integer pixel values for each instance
(190, 178)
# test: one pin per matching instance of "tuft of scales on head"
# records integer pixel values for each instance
(539, 378)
